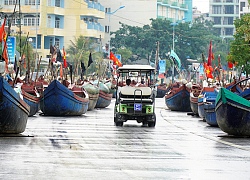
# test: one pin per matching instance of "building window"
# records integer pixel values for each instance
(216, 9)
(217, 20)
(30, 20)
(50, 42)
(242, 4)
(229, 9)
(11, 2)
(106, 29)
(32, 2)
(107, 10)
(57, 22)
(49, 21)
(229, 31)
(57, 42)
(58, 3)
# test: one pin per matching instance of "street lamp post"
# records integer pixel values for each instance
(111, 13)
(173, 24)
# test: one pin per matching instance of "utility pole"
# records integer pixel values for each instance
(157, 59)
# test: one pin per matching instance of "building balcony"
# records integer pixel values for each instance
(53, 32)
(55, 10)
(91, 29)
(95, 13)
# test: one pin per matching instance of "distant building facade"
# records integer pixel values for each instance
(223, 13)
(54, 22)
(139, 12)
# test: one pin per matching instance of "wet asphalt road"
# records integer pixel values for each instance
(91, 147)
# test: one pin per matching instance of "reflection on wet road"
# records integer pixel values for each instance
(91, 147)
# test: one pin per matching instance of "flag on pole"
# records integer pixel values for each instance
(115, 59)
(5, 51)
(210, 55)
(90, 59)
(64, 59)
(2, 31)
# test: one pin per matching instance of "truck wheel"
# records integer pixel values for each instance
(119, 123)
(152, 123)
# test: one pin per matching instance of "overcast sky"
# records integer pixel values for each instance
(202, 5)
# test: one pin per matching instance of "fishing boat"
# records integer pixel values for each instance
(233, 113)
(206, 97)
(194, 93)
(31, 97)
(93, 92)
(178, 98)
(162, 89)
(105, 97)
(61, 100)
(13, 110)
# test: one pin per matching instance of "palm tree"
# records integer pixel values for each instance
(79, 51)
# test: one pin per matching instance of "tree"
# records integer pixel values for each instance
(79, 51)
(190, 39)
(125, 54)
(240, 46)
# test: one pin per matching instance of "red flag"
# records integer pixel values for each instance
(208, 71)
(5, 50)
(23, 59)
(115, 59)
(2, 31)
(64, 59)
(230, 64)
(210, 55)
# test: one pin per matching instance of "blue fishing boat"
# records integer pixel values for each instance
(233, 113)
(59, 100)
(178, 98)
(207, 99)
(13, 110)
(210, 116)
(31, 97)
(161, 90)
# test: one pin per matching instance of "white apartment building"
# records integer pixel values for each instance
(223, 13)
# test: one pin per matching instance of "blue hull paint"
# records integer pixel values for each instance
(210, 115)
(233, 116)
(179, 101)
(58, 100)
(13, 110)
(34, 106)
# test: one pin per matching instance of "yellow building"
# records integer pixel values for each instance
(54, 22)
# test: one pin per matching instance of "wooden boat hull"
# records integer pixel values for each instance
(210, 115)
(58, 100)
(179, 100)
(207, 96)
(32, 101)
(233, 113)
(104, 99)
(13, 110)
(194, 104)
(93, 92)
(92, 101)
(201, 111)
(161, 91)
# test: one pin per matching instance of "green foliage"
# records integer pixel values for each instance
(190, 40)
(125, 54)
(79, 51)
(240, 47)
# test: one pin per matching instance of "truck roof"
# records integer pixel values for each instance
(137, 67)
